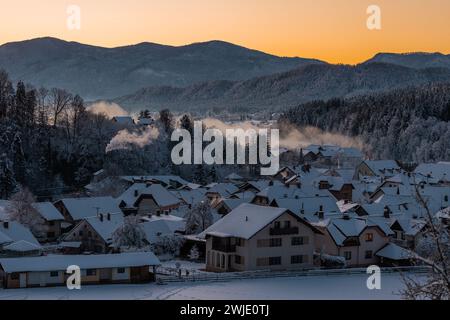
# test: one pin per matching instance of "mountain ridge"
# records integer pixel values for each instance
(99, 72)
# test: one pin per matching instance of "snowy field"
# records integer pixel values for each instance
(351, 287)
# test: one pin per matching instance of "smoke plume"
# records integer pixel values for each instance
(125, 140)
(108, 109)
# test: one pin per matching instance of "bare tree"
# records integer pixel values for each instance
(434, 251)
(59, 100)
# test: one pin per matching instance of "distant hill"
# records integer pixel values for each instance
(273, 92)
(418, 60)
(96, 72)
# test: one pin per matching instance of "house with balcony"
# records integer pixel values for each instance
(253, 237)
(355, 239)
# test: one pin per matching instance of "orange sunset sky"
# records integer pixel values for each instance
(331, 30)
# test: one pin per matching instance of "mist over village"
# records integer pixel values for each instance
(216, 171)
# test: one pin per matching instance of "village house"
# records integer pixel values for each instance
(378, 168)
(253, 238)
(77, 209)
(435, 173)
(407, 232)
(220, 191)
(46, 271)
(124, 121)
(17, 240)
(356, 239)
(53, 220)
(148, 199)
(95, 233)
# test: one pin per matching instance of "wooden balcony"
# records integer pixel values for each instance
(283, 231)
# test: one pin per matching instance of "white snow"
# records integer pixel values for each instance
(345, 287)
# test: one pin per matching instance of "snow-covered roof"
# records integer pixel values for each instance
(292, 192)
(309, 205)
(245, 221)
(22, 246)
(410, 227)
(342, 228)
(191, 197)
(61, 262)
(394, 252)
(162, 196)
(16, 232)
(380, 166)
(223, 189)
(155, 229)
(439, 171)
(167, 180)
(123, 120)
(104, 227)
(233, 176)
(81, 208)
(48, 211)
(234, 203)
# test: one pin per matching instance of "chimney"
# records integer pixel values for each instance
(321, 215)
(101, 217)
(386, 212)
(6, 224)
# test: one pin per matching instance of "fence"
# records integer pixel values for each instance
(221, 277)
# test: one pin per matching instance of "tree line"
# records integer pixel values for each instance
(410, 125)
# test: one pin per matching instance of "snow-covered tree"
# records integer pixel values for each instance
(21, 209)
(194, 253)
(434, 251)
(168, 245)
(8, 182)
(199, 218)
(130, 234)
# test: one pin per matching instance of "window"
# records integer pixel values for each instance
(91, 272)
(277, 225)
(120, 270)
(50, 234)
(276, 242)
(240, 242)
(15, 276)
(297, 259)
(80, 233)
(51, 223)
(54, 274)
(238, 259)
(264, 243)
(299, 241)
(348, 255)
(369, 237)
(369, 254)
(274, 261)
(89, 234)
(287, 224)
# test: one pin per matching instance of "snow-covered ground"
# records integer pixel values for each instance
(352, 287)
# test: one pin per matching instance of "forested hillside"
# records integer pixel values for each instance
(409, 124)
